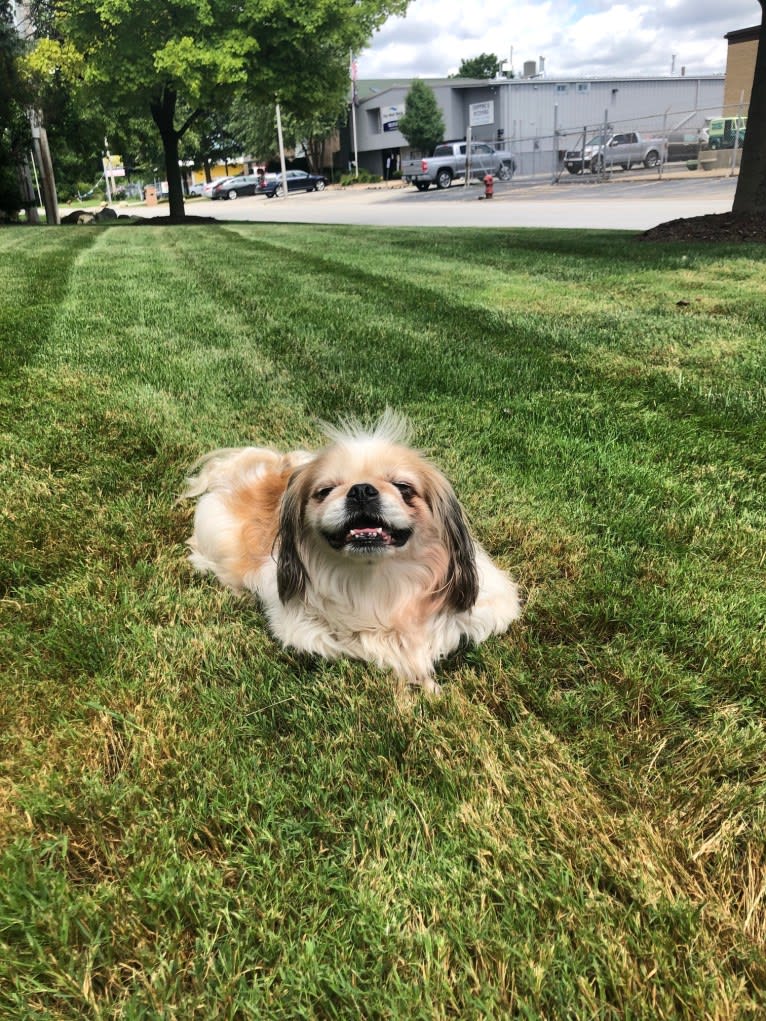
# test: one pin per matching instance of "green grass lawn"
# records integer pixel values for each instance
(198, 824)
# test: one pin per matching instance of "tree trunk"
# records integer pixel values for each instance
(750, 196)
(163, 114)
(27, 190)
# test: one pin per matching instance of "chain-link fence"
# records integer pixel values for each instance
(655, 145)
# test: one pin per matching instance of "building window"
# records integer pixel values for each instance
(562, 89)
(373, 121)
(583, 86)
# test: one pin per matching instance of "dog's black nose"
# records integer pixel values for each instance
(362, 494)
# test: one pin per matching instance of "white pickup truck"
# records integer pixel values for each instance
(626, 150)
(448, 163)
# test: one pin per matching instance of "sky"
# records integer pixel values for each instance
(576, 37)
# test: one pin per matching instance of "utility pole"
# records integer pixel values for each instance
(45, 165)
(281, 152)
(354, 100)
(107, 165)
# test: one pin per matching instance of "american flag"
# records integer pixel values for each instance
(353, 71)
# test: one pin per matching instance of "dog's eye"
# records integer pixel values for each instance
(407, 491)
(323, 493)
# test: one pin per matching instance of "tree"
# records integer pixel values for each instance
(310, 114)
(75, 130)
(314, 134)
(14, 126)
(194, 56)
(213, 139)
(750, 196)
(422, 124)
(256, 126)
(486, 65)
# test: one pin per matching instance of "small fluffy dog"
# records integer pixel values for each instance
(359, 550)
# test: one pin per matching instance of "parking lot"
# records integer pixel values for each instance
(627, 202)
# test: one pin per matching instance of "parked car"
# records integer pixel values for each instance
(449, 162)
(683, 146)
(297, 180)
(725, 132)
(625, 150)
(236, 187)
(207, 188)
(196, 189)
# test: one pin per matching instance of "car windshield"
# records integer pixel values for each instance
(596, 140)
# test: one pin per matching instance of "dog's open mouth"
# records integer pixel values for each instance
(366, 533)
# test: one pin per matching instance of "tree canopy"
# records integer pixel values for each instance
(422, 124)
(14, 126)
(486, 65)
(182, 59)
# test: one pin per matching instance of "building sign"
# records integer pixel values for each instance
(389, 116)
(481, 113)
(114, 166)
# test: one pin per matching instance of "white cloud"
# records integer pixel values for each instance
(581, 37)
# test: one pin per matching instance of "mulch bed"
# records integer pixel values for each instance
(720, 227)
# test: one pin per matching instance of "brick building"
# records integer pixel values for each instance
(740, 69)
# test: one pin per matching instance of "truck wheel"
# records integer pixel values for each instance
(422, 185)
(574, 170)
(597, 164)
(504, 172)
(443, 179)
(652, 158)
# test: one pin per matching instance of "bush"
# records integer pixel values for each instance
(365, 177)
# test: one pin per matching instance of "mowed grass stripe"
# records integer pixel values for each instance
(138, 314)
(37, 271)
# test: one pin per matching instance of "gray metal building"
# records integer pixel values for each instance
(536, 117)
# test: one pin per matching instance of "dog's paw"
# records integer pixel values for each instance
(428, 686)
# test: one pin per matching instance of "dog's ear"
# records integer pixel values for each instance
(461, 585)
(291, 571)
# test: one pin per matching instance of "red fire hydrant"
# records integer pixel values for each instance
(489, 186)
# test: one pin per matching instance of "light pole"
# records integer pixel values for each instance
(281, 153)
(107, 162)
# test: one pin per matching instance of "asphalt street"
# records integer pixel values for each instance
(629, 204)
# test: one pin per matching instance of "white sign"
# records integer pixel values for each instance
(481, 113)
(389, 116)
(114, 166)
